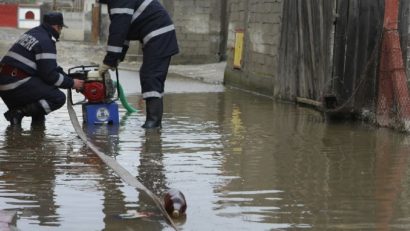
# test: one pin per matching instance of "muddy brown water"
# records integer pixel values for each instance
(243, 161)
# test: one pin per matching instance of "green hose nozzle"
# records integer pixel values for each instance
(123, 99)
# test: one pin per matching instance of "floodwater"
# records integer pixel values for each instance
(243, 161)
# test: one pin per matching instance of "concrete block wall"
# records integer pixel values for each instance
(261, 22)
(198, 26)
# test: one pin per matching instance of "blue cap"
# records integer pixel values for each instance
(54, 18)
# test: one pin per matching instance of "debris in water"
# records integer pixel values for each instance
(175, 203)
(133, 214)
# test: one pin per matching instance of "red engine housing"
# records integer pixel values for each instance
(94, 91)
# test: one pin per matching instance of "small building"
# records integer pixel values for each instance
(29, 16)
(24, 16)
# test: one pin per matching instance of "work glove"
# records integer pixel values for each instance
(104, 68)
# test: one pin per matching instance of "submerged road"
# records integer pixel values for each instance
(243, 162)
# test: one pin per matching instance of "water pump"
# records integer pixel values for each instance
(99, 92)
(97, 89)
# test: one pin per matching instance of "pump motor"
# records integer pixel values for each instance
(97, 89)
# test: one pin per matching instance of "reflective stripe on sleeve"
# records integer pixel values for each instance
(114, 49)
(46, 56)
(158, 32)
(60, 80)
(140, 9)
(22, 59)
(122, 11)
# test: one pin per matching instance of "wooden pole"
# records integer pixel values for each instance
(96, 21)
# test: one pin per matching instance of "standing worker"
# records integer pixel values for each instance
(29, 75)
(148, 22)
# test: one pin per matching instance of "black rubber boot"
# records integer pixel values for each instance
(154, 108)
(14, 116)
(38, 119)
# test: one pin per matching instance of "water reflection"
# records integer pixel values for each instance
(118, 199)
(280, 166)
(243, 162)
(151, 168)
(390, 170)
(28, 174)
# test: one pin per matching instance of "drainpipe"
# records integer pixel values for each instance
(224, 30)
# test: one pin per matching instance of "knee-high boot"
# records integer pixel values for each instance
(15, 115)
(154, 109)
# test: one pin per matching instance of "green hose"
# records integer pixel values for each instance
(123, 99)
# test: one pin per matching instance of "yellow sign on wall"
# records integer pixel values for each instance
(237, 59)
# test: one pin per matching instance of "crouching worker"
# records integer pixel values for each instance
(29, 75)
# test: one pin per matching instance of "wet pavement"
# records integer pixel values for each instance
(243, 161)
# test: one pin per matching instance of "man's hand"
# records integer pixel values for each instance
(104, 68)
(78, 84)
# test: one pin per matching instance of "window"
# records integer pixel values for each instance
(29, 15)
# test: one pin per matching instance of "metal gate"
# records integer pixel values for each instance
(8, 14)
(305, 49)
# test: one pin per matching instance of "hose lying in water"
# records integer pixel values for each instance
(123, 99)
(113, 164)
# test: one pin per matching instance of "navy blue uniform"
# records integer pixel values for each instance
(148, 22)
(35, 55)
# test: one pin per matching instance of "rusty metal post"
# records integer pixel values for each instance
(392, 76)
(391, 14)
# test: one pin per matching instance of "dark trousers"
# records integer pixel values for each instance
(34, 91)
(153, 73)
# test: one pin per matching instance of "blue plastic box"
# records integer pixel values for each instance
(101, 113)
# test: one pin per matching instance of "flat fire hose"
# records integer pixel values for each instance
(113, 164)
